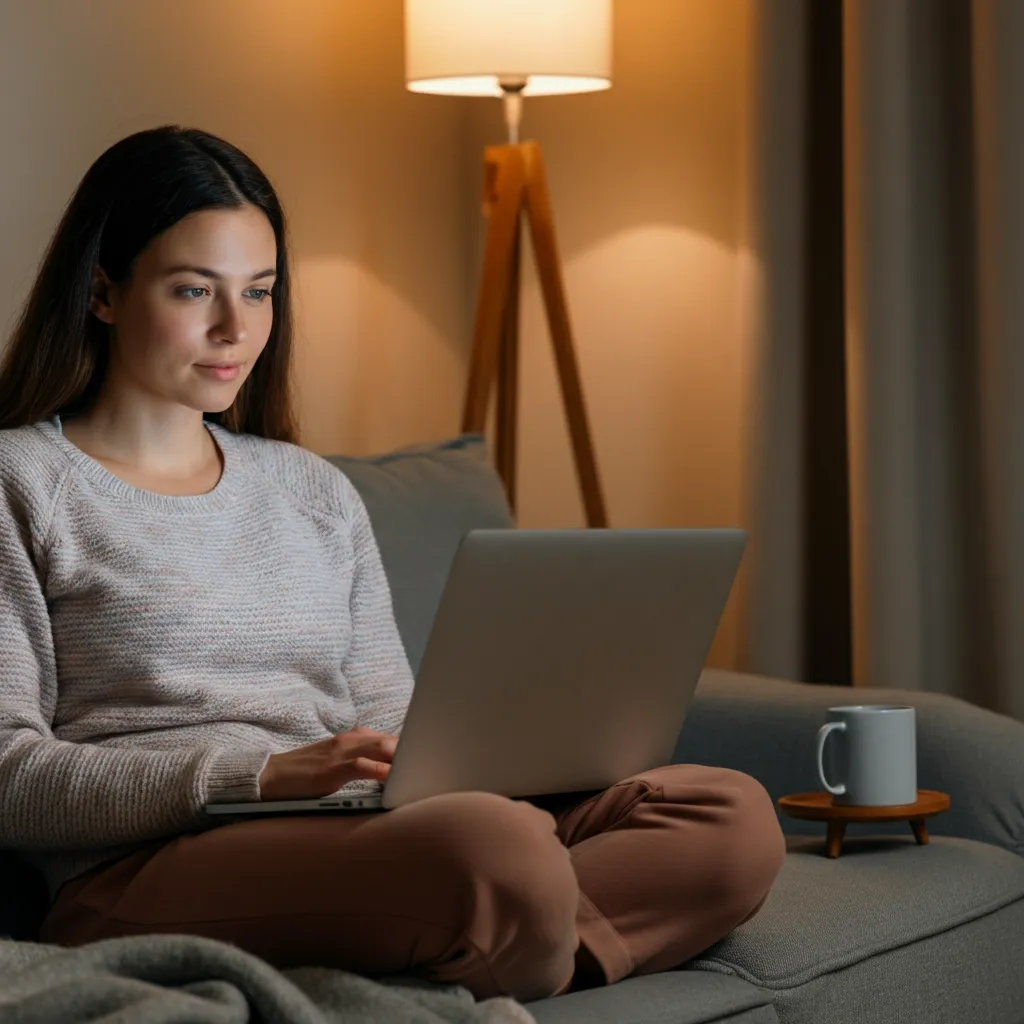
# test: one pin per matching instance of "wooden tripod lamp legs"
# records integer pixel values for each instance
(514, 182)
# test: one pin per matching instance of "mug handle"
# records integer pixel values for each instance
(823, 734)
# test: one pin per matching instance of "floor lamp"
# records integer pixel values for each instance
(514, 49)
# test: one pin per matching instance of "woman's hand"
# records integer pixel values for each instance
(322, 768)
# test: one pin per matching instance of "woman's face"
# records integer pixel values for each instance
(198, 294)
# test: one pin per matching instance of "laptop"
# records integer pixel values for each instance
(559, 661)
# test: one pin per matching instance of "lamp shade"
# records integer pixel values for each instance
(470, 47)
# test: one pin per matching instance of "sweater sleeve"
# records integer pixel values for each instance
(375, 665)
(56, 794)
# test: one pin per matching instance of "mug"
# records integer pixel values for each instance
(874, 755)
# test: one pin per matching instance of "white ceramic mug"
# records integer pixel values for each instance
(874, 755)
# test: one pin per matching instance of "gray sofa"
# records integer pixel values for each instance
(890, 931)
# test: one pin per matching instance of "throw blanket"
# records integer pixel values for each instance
(160, 979)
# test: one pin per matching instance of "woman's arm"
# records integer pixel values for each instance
(375, 666)
(55, 794)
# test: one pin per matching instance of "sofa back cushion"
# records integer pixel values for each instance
(422, 500)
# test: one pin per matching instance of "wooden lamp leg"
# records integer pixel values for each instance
(514, 176)
(508, 378)
(505, 181)
(542, 228)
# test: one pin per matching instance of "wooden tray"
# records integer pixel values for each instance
(819, 807)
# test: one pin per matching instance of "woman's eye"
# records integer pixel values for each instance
(194, 293)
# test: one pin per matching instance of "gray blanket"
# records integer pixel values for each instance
(174, 979)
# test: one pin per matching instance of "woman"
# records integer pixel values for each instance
(193, 609)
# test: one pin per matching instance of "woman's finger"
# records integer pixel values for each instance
(374, 769)
(382, 749)
(387, 747)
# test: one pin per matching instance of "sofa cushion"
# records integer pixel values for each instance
(422, 500)
(887, 931)
(672, 997)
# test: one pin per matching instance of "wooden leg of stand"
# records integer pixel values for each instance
(506, 179)
(542, 228)
(508, 389)
(920, 831)
(834, 839)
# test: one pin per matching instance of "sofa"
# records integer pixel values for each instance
(888, 931)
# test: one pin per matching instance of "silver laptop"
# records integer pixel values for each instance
(559, 661)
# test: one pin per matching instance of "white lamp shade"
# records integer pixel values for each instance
(467, 47)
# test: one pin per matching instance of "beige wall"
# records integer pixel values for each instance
(649, 183)
(314, 92)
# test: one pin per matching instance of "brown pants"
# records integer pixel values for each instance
(496, 894)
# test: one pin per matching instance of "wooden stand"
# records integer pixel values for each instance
(514, 178)
(819, 807)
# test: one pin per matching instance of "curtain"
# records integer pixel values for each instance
(886, 479)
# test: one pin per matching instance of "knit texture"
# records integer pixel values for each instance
(155, 650)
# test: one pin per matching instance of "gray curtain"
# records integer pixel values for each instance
(887, 449)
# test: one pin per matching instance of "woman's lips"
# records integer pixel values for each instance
(221, 372)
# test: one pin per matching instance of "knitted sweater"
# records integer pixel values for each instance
(155, 650)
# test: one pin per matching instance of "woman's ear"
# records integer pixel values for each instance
(100, 300)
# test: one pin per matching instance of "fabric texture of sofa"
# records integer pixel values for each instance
(889, 931)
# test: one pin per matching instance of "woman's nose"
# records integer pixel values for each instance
(231, 325)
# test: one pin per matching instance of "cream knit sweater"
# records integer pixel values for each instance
(155, 650)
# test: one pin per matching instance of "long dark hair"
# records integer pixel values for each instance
(142, 185)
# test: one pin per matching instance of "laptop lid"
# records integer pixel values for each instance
(561, 660)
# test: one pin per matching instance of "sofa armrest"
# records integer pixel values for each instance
(766, 728)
